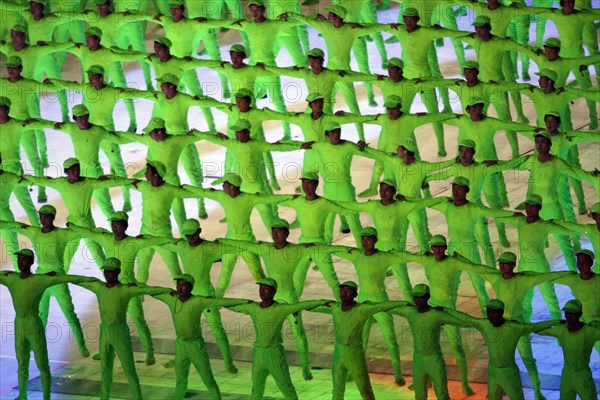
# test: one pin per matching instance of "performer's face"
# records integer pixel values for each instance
(24, 262)
(410, 22)
(393, 113)
(93, 42)
(506, 267)
(177, 12)
(104, 9)
(596, 217)
(237, 58)
(347, 294)
(280, 235)
(335, 136)
(36, 9)
(266, 292)
(572, 318)
(14, 72)
(475, 111)
(184, 288)
(584, 263)
(96, 80)
(194, 237)
(46, 220)
(118, 227)
(471, 74)
(394, 72)
(552, 123)
(158, 135)
(18, 38)
(386, 192)
(315, 63)
(466, 154)
(439, 250)
(74, 173)
(256, 11)
(532, 210)
(317, 105)
(483, 31)
(82, 121)
(309, 186)
(161, 50)
(4, 110)
(112, 276)
(231, 190)
(368, 242)
(334, 18)
(551, 52)
(243, 103)
(543, 81)
(168, 88)
(459, 192)
(568, 6)
(421, 301)
(495, 316)
(243, 136)
(542, 144)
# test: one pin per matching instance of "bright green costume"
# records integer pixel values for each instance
(26, 294)
(586, 291)
(268, 357)
(71, 31)
(591, 231)
(114, 331)
(189, 344)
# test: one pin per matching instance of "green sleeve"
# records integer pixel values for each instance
(574, 226)
(282, 146)
(225, 302)
(450, 319)
(465, 265)
(148, 290)
(539, 326)
(92, 286)
(128, 137)
(592, 94)
(577, 137)
(353, 206)
(347, 253)
(374, 308)
(12, 226)
(557, 228)
(271, 199)
(304, 305)
(75, 279)
(202, 192)
(441, 175)
(111, 182)
(465, 318)
(164, 297)
(242, 308)
(55, 47)
(492, 212)
(536, 278)
(402, 311)
(548, 332)
(505, 165)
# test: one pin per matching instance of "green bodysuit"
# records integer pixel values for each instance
(591, 231)
(114, 331)
(30, 335)
(576, 378)
(268, 357)
(586, 291)
(189, 344)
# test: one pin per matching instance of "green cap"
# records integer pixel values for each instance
(588, 253)
(548, 73)
(186, 277)
(95, 70)
(552, 113)
(47, 209)
(543, 133)
(259, 3)
(155, 123)
(93, 31)
(268, 282)
(461, 181)
(438, 240)
(337, 10)
(190, 226)
(111, 263)
(25, 252)
(69, 162)
(241, 125)
(316, 53)
(368, 231)
(243, 92)
(80, 110)
(5, 101)
(552, 42)
(280, 224)
(176, 3)
(409, 144)
(410, 12)
(388, 182)
(481, 20)
(42, 2)
(420, 290)
(471, 64)
(596, 208)
(233, 179)
(169, 78)
(314, 96)
(475, 100)
(158, 166)
(332, 126)
(395, 62)
(165, 41)
(508, 257)
(573, 306)
(119, 216)
(532, 200)
(14, 61)
(100, 1)
(311, 176)
(495, 304)
(351, 284)
(19, 28)
(237, 48)
(467, 143)
(392, 101)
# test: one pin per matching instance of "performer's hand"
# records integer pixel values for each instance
(457, 159)
(560, 90)
(296, 68)
(340, 113)
(418, 80)
(283, 17)
(135, 183)
(102, 178)
(596, 172)
(355, 25)
(28, 121)
(518, 214)
(140, 236)
(188, 58)
(77, 45)
(471, 35)
(342, 73)
(47, 81)
(400, 197)
(295, 196)
(260, 65)
(381, 77)
(539, 129)
(531, 89)
(51, 273)
(395, 26)
(328, 304)
(126, 12)
(42, 43)
(307, 145)
(131, 284)
(308, 245)
(425, 185)
(201, 19)
(222, 136)
(321, 17)
(436, 26)
(22, 179)
(421, 114)
(361, 145)
(239, 22)
(459, 116)
(158, 17)
(173, 292)
(58, 125)
(583, 68)
(490, 162)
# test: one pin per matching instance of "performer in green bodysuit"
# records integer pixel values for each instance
(71, 31)
(426, 324)
(501, 337)
(576, 339)
(50, 243)
(198, 256)
(118, 244)
(341, 39)
(26, 290)
(186, 310)
(592, 231)
(349, 320)
(397, 125)
(276, 8)
(238, 207)
(268, 357)
(512, 288)
(113, 299)
(282, 261)
(15, 135)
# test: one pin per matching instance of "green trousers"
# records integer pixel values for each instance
(252, 261)
(518, 30)
(505, 380)
(323, 263)
(116, 339)
(30, 336)
(540, 265)
(470, 251)
(428, 368)
(23, 197)
(188, 352)
(349, 94)
(296, 325)
(271, 361)
(9, 237)
(577, 383)
(91, 252)
(341, 191)
(554, 210)
(430, 100)
(132, 36)
(400, 271)
(36, 151)
(72, 31)
(350, 360)
(135, 311)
